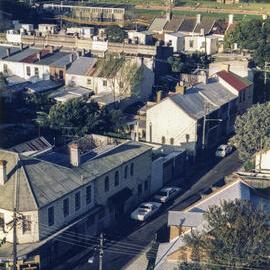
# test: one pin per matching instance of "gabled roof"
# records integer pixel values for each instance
(206, 25)
(193, 104)
(213, 91)
(32, 147)
(185, 219)
(157, 25)
(220, 27)
(40, 182)
(234, 80)
(188, 24)
(82, 66)
(174, 24)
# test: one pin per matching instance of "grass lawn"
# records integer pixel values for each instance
(145, 12)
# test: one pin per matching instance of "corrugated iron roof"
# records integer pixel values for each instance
(174, 24)
(234, 80)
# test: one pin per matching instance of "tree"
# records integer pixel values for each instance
(252, 35)
(236, 235)
(115, 34)
(80, 118)
(252, 130)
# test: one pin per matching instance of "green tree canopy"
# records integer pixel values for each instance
(115, 34)
(252, 35)
(80, 117)
(236, 236)
(252, 130)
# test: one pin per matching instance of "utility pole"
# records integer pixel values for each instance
(14, 239)
(101, 244)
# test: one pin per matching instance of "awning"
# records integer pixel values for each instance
(120, 197)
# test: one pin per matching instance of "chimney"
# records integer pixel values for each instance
(198, 18)
(3, 172)
(168, 15)
(21, 46)
(74, 151)
(71, 58)
(51, 49)
(264, 17)
(159, 93)
(8, 52)
(38, 56)
(202, 32)
(83, 52)
(181, 89)
(231, 19)
(204, 77)
(226, 67)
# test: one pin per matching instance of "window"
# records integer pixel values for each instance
(2, 222)
(36, 72)
(172, 141)
(26, 224)
(66, 207)
(28, 71)
(126, 172)
(107, 184)
(191, 43)
(140, 189)
(88, 194)
(51, 216)
(89, 81)
(132, 169)
(104, 83)
(116, 179)
(61, 74)
(163, 140)
(146, 185)
(5, 67)
(77, 201)
(187, 138)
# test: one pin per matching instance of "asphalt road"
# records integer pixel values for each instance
(133, 237)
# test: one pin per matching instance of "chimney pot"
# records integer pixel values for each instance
(231, 17)
(198, 18)
(75, 159)
(38, 56)
(3, 172)
(8, 52)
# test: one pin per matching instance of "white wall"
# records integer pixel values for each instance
(22, 238)
(13, 38)
(168, 120)
(178, 43)
(262, 162)
(59, 219)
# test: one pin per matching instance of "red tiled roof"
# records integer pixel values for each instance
(235, 81)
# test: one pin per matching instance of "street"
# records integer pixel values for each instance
(131, 238)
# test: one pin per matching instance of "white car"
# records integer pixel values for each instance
(224, 150)
(145, 211)
(167, 193)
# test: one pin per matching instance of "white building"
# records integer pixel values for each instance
(72, 192)
(201, 43)
(84, 32)
(143, 38)
(178, 119)
(46, 29)
(125, 80)
(176, 40)
(34, 64)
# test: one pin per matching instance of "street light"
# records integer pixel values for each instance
(204, 128)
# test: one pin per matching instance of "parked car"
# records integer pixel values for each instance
(145, 210)
(167, 193)
(224, 150)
